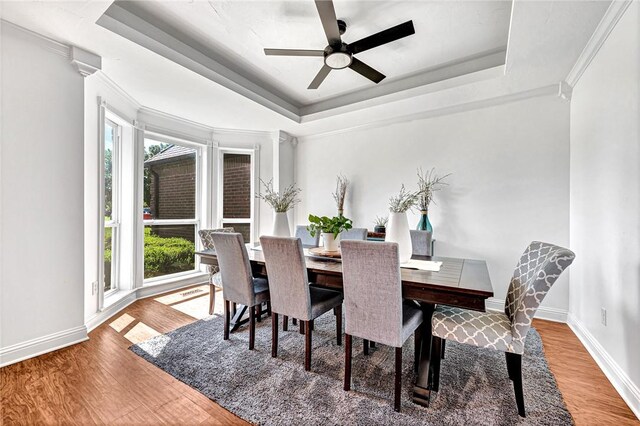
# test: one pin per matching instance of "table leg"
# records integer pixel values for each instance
(421, 391)
(237, 320)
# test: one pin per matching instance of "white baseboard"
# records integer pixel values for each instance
(549, 314)
(110, 310)
(628, 390)
(38, 346)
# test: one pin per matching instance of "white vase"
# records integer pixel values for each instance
(398, 232)
(281, 225)
(329, 242)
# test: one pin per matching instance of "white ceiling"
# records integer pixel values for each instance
(236, 32)
(545, 40)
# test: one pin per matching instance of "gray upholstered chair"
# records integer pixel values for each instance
(213, 270)
(539, 267)
(291, 294)
(374, 308)
(421, 242)
(238, 284)
(354, 234)
(305, 236)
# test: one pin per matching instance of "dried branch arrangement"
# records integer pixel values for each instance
(381, 221)
(341, 192)
(428, 183)
(281, 202)
(403, 201)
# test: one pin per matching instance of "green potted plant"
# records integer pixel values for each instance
(330, 228)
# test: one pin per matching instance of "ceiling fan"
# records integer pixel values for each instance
(339, 55)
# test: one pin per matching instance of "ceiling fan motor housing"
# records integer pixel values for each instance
(337, 57)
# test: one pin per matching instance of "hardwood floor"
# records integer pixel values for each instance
(101, 382)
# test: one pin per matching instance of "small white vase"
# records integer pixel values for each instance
(281, 225)
(398, 232)
(329, 242)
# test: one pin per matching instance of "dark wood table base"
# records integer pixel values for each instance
(421, 389)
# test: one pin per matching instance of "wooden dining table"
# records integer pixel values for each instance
(463, 283)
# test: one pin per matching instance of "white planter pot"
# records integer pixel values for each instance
(398, 232)
(330, 243)
(281, 225)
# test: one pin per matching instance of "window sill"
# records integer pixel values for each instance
(115, 297)
(176, 278)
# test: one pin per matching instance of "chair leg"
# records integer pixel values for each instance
(398, 383)
(227, 319)
(212, 298)
(301, 327)
(307, 345)
(268, 308)
(436, 351)
(235, 308)
(338, 312)
(285, 323)
(294, 321)
(259, 312)
(365, 346)
(372, 344)
(417, 344)
(252, 327)
(311, 324)
(444, 344)
(347, 362)
(274, 334)
(514, 366)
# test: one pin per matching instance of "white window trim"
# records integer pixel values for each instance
(220, 219)
(114, 223)
(197, 221)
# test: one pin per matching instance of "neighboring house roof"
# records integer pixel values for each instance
(171, 153)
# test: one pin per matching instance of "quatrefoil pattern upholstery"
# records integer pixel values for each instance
(539, 267)
(207, 242)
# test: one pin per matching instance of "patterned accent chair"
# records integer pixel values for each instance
(539, 267)
(305, 236)
(374, 308)
(213, 270)
(354, 234)
(421, 242)
(291, 294)
(238, 283)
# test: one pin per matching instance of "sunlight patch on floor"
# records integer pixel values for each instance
(122, 322)
(140, 332)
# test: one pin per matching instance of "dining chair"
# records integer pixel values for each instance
(374, 308)
(421, 242)
(539, 267)
(238, 283)
(291, 294)
(354, 234)
(213, 270)
(305, 236)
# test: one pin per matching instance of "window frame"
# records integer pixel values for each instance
(115, 221)
(198, 214)
(220, 219)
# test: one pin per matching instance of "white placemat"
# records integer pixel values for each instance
(422, 265)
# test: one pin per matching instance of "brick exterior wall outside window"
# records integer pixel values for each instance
(237, 191)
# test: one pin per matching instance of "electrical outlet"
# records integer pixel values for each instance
(94, 287)
(603, 316)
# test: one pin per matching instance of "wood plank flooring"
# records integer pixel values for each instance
(101, 382)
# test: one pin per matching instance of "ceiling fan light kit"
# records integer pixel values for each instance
(339, 55)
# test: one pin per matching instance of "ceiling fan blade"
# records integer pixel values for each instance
(366, 71)
(293, 52)
(329, 21)
(383, 37)
(319, 78)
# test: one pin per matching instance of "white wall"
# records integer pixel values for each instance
(509, 183)
(605, 205)
(41, 252)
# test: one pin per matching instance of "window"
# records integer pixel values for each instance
(111, 205)
(237, 189)
(170, 194)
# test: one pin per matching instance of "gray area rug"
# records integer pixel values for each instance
(474, 386)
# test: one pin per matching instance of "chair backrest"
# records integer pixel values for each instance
(421, 242)
(235, 269)
(354, 234)
(305, 236)
(288, 281)
(372, 291)
(205, 236)
(540, 266)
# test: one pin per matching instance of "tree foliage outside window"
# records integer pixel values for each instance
(150, 151)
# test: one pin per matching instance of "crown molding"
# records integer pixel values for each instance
(607, 23)
(86, 63)
(47, 43)
(119, 90)
(550, 90)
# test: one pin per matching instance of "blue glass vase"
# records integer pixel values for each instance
(424, 224)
